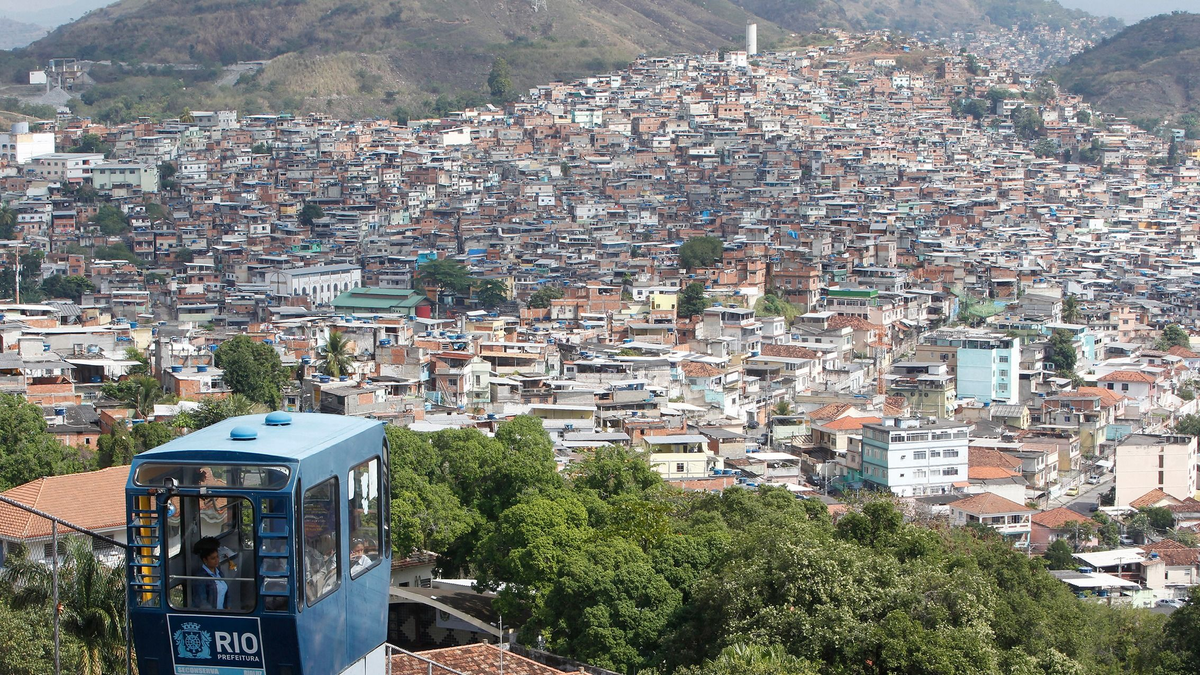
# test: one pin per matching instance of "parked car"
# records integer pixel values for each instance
(1170, 602)
(1126, 541)
(1093, 508)
(1072, 491)
(1093, 480)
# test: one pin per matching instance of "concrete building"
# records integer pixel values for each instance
(65, 166)
(1012, 520)
(1146, 462)
(751, 38)
(21, 145)
(983, 363)
(914, 456)
(127, 175)
(681, 456)
(321, 284)
(928, 387)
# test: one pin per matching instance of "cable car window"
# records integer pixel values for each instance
(211, 554)
(215, 476)
(365, 523)
(322, 563)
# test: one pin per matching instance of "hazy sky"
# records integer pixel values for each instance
(1130, 11)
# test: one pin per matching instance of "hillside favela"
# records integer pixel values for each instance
(738, 337)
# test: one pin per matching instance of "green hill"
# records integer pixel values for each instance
(369, 57)
(1150, 70)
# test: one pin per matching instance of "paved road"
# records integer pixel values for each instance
(1088, 495)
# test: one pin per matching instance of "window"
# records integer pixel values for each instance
(678, 467)
(322, 564)
(919, 473)
(1003, 359)
(919, 454)
(211, 554)
(366, 529)
(935, 454)
(949, 453)
(952, 471)
(1124, 386)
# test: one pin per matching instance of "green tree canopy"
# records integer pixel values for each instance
(700, 252)
(310, 213)
(500, 82)
(541, 297)
(491, 292)
(28, 451)
(1070, 310)
(1061, 354)
(337, 357)
(92, 598)
(63, 286)
(212, 410)
(773, 305)
(31, 275)
(692, 301)
(252, 369)
(111, 220)
(91, 143)
(141, 393)
(1188, 424)
(1060, 555)
(1173, 336)
(446, 274)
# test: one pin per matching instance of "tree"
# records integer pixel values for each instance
(1045, 148)
(692, 301)
(27, 643)
(184, 255)
(186, 117)
(446, 274)
(1173, 336)
(1060, 555)
(337, 357)
(260, 148)
(1060, 353)
(252, 369)
(166, 175)
(1182, 634)
(1107, 530)
(63, 286)
(91, 598)
(1079, 533)
(150, 435)
(773, 305)
(1188, 425)
(135, 354)
(91, 143)
(140, 393)
(1138, 526)
(783, 408)
(1070, 310)
(310, 213)
(491, 292)
(28, 451)
(31, 275)
(116, 448)
(8, 223)
(1028, 123)
(611, 470)
(753, 659)
(541, 297)
(212, 410)
(500, 80)
(700, 252)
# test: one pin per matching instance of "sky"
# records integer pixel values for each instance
(1127, 10)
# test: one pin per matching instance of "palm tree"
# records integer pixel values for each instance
(91, 597)
(147, 394)
(336, 357)
(1070, 310)
(783, 408)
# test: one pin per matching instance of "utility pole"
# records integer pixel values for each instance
(54, 574)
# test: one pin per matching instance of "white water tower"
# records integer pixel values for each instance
(751, 38)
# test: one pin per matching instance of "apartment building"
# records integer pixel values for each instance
(915, 456)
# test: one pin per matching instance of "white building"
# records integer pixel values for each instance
(914, 456)
(65, 166)
(125, 175)
(751, 38)
(320, 284)
(1146, 462)
(220, 119)
(21, 145)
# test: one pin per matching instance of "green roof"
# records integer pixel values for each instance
(376, 299)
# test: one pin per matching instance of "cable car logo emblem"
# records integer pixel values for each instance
(192, 643)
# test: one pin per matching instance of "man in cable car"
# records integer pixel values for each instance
(213, 592)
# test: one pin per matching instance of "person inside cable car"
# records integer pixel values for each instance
(359, 560)
(212, 592)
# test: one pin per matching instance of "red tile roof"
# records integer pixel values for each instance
(978, 457)
(1182, 352)
(989, 472)
(989, 504)
(1127, 376)
(95, 500)
(1173, 553)
(1058, 518)
(850, 423)
(476, 659)
(698, 369)
(1153, 498)
(790, 352)
(831, 411)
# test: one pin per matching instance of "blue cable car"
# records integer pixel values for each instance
(260, 546)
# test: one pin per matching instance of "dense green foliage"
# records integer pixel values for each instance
(309, 214)
(252, 369)
(31, 274)
(63, 286)
(618, 569)
(692, 300)
(446, 274)
(541, 297)
(500, 82)
(773, 305)
(1060, 354)
(491, 292)
(337, 356)
(140, 393)
(111, 220)
(27, 450)
(1173, 336)
(700, 252)
(212, 410)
